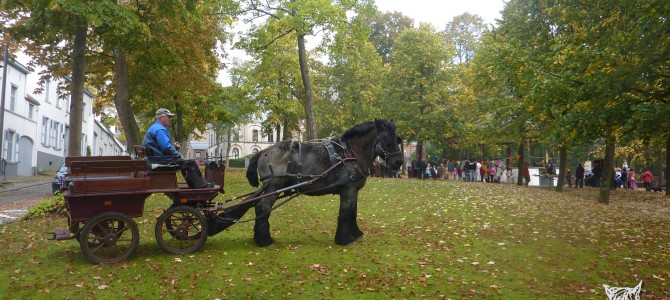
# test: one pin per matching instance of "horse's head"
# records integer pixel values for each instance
(387, 144)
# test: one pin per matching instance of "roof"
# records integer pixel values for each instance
(199, 145)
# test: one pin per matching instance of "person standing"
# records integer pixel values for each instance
(450, 168)
(509, 175)
(161, 150)
(492, 173)
(471, 170)
(647, 179)
(579, 176)
(499, 173)
(632, 179)
(526, 174)
(624, 178)
(568, 177)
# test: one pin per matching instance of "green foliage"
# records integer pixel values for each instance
(418, 85)
(385, 29)
(53, 206)
(239, 162)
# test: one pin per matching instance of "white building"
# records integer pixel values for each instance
(246, 139)
(20, 119)
(105, 142)
(36, 128)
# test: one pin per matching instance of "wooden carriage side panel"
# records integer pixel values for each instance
(86, 206)
(107, 175)
(70, 159)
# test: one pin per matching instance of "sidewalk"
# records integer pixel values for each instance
(18, 193)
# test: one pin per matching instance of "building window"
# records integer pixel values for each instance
(236, 135)
(270, 138)
(45, 131)
(31, 111)
(66, 135)
(236, 153)
(83, 144)
(254, 135)
(198, 155)
(46, 92)
(254, 151)
(12, 98)
(53, 134)
(16, 147)
(9, 145)
(95, 143)
(60, 137)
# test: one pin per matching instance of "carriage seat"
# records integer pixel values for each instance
(142, 152)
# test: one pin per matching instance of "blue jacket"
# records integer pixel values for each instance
(158, 141)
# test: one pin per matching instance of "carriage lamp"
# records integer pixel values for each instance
(107, 203)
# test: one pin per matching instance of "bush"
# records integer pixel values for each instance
(238, 163)
(55, 206)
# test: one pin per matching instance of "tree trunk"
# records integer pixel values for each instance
(229, 144)
(419, 151)
(287, 134)
(519, 178)
(77, 92)
(309, 93)
(179, 135)
(607, 170)
(563, 158)
(122, 101)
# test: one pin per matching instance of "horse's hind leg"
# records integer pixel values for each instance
(262, 225)
(347, 229)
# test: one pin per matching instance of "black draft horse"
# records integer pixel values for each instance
(289, 163)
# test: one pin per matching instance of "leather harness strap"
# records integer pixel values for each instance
(332, 155)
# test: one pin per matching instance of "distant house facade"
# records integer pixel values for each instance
(36, 127)
(245, 139)
(105, 142)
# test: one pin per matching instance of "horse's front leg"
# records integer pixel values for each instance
(262, 225)
(355, 230)
(347, 229)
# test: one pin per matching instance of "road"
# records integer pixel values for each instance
(17, 194)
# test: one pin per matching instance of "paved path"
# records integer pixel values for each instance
(17, 194)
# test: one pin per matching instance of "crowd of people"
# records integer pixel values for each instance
(495, 171)
(624, 178)
(466, 170)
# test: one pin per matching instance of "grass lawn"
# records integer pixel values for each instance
(424, 239)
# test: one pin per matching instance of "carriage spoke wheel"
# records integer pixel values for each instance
(109, 238)
(181, 229)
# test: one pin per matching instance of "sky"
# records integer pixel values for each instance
(440, 12)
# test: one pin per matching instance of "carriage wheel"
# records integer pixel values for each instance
(181, 229)
(109, 238)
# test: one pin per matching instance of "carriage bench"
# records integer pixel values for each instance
(90, 176)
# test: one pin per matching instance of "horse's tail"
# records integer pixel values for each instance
(252, 170)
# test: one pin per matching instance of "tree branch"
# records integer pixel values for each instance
(274, 39)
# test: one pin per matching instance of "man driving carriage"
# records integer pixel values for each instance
(161, 150)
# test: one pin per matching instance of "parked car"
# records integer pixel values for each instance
(57, 181)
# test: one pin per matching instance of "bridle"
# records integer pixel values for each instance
(381, 148)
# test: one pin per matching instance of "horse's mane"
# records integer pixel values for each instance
(364, 128)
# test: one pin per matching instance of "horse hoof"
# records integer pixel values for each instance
(361, 238)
